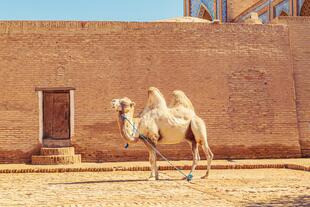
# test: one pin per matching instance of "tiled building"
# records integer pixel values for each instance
(238, 11)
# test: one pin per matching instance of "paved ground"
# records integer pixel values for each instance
(250, 187)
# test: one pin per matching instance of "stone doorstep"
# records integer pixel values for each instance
(55, 159)
(56, 156)
(57, 151)
(54, 143)
(73, 168)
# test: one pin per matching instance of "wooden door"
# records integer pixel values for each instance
(56, 117)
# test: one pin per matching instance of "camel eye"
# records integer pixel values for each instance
(124, 104)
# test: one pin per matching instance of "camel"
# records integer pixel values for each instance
(164, 125)
(180, 99)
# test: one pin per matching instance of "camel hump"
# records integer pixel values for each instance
(155, 99)
(180, 99)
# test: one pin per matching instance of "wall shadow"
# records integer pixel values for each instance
(288, 201)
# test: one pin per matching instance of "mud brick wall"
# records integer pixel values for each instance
(299, 33)
(239, 78)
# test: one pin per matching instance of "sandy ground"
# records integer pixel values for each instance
(253, 187)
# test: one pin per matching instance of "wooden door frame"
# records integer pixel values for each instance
(56, 115)
(40, 92)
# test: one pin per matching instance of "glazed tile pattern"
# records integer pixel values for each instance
(283, 6)
(264, 17)
(224, 10)
(195, 6)
(266, 4)
(300, 3)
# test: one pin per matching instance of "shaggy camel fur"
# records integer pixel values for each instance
(164, 125)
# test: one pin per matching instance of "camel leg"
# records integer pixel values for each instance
(194, 146)
(152, 159)
(209, 156)
(196, 156)
(200, 133)
(154, 173)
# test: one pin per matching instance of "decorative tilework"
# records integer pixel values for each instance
(264, 17)
(195, 6)
(256, 9)
(210, 5)
(283, 6)
(213, 7)
(186, 8)
(300, 3)
(218, 12)
(224, 10)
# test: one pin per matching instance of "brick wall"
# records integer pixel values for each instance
(299, 28)
(239, 78)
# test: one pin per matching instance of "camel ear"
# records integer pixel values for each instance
(132, 104)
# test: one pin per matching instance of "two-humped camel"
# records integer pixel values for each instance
(164, 125)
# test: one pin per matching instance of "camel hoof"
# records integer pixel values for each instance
(204, 177)
(153, 178)
(188, 178)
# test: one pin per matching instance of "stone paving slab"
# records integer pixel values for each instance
(297, 164)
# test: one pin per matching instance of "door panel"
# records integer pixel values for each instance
(61, 118)
(56, 115)
(48, 114)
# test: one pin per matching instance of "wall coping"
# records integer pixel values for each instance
(100, 26)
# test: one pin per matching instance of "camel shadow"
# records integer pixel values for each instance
(115, 181)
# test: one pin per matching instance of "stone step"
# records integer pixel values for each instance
(55, 159)
(50, 143)
(57, 151)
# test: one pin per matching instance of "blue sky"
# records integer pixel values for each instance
(92, 10)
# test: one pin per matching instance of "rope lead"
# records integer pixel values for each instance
(188, 177)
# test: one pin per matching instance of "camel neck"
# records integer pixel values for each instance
(128, 126)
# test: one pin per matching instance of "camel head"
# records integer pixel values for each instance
(125, 108)
(123, 105)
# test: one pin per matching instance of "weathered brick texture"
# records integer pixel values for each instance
(239, 78)
(299, 32)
